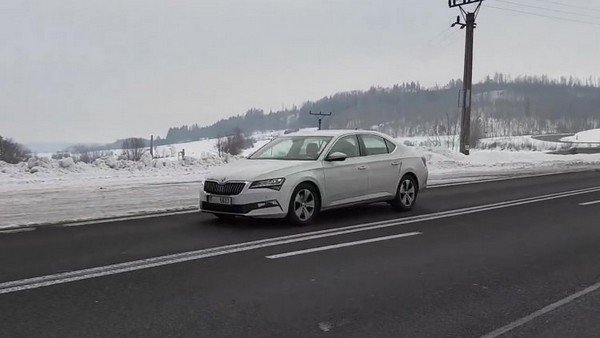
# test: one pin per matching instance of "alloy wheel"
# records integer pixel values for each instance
(304, 204)
(407, 193)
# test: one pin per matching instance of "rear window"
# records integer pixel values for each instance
(374, 145)
(391, 146)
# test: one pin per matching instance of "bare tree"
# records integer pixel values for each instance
(452, 128)
(133, 148)
(13, 152)
(220, 146)
(86, 153)
(477, 131)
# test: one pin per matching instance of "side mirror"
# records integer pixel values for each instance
(336, 157)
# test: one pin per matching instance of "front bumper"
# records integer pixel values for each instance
(261, 203)
(239, 209)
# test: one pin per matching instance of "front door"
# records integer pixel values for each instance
(345, 181)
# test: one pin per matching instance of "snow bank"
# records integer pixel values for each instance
(446, 165)
(47, 190)
(44, 172)
(519, 143)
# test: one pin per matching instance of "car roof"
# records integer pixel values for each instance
(330, 132)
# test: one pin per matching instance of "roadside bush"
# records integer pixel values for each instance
(59, 155)
(234, 144)
(13, 152)
(86, 154)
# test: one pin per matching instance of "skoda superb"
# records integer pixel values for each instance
(298, 175)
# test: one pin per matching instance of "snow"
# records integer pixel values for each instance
(592, 135)
(447, 166)
(45, 190)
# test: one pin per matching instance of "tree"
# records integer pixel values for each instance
(13, 152)
(133, 148)
(233, 144)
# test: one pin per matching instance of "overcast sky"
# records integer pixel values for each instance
(95, 71)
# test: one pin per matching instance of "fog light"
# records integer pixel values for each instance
(267, 204)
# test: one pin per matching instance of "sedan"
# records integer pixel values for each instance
(300, 174)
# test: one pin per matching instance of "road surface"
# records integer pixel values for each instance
(514, 257)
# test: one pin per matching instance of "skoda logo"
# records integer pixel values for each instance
(223, 180)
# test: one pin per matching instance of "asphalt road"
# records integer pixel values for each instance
(552, 137)
(469, 260)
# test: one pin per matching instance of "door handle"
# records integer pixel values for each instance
(395, 163)
(362, 167)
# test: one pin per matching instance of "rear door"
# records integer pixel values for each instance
(345, 181)
(384, 170)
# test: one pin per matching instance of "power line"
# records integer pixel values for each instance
(543, 15)
(440, 36)
(569, 5)
(450, 41)
(549, 9)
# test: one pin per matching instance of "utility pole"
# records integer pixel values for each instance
(152, 146)
(469, 18)
(320, 115)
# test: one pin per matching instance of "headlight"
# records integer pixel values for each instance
(273, 183)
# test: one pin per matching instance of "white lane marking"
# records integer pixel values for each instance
(496, 179)
(14, 231)
(65, 277)
(130, 218)
(589, 203)
(100, 221)
(342, 245)
(541, 312)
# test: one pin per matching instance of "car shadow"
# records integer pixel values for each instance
(336, 218)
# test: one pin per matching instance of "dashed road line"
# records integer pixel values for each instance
(342, 245)
(589, 203)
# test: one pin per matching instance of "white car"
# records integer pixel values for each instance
(298, 175)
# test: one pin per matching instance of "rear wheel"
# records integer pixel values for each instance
(304, 205)
(406, 196)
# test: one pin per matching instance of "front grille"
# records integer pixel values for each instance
(212, 187)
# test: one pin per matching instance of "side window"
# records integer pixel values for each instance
(374, 145)
(391, 147)
(347, 145)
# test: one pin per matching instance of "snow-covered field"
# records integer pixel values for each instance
(592, 135)
(50, 191)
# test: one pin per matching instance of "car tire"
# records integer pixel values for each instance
(305, 205)
(406, 194)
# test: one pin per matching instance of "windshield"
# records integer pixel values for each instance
(293, 148)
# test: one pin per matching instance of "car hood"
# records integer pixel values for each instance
(252, 170)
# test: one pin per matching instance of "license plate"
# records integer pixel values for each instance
(219, 200)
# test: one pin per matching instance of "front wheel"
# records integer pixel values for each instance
(406, 196)
(304, 205)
